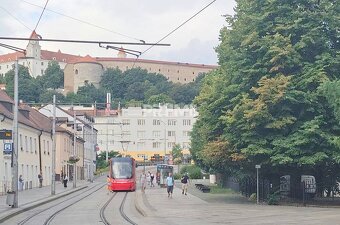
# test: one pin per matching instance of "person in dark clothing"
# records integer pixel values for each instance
(185, 181)
(65, 179)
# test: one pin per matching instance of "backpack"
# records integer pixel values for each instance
(182, 180)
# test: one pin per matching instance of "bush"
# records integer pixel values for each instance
(274, 198)
(177, 176)
(193, 171)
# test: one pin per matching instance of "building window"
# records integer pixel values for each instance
(171, 144)
(171, 133)
(171, 113)
(172, 122)
(141, 122)
(177, 78)
(54, 58)
(156, 122)
(185, 79)
(156, 133)
(126, 122)
(31, 145)
(48, 147)
(186, 133)
(76, 71)
(186, 122)
(159, 70)
(141, 134)
(35, 146)
(26, 144)
(186, 113)
(20, 137)
(42, 72)
(156, 144)
(86, 82)
(177, 71)
(42, 63)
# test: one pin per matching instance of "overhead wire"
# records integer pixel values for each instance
(15, 18)
(171, 32)
(41, 15)
(85, 22)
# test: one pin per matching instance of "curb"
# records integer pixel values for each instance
(42, 202)
(137, 206)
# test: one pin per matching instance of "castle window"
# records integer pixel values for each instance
(168, 70)
(193, 72)
(86, 81)
(193, 79)
(54, 58)
(185, 79)
(159, 70)
(42, 63)
(76, 71)
(42, 72)
(177, 71)
(127, 67)
(177, 78)
(64, 60)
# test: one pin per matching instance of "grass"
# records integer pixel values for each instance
(219, 190)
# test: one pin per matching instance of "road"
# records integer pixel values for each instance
(154, 207)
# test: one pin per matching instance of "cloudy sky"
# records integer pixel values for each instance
(120, 21)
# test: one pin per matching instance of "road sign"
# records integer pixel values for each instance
(258, 166)
(5, 135)
(8, 148)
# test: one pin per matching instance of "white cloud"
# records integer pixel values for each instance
(149, 20)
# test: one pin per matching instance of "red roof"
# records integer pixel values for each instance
(34, 35)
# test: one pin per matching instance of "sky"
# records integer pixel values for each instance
(120, 21)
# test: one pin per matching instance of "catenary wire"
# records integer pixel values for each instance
(15, 18)
(85, 22)
(41, 15)
(171, 32)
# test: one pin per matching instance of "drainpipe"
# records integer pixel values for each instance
(40, 161)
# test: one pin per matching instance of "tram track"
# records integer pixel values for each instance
(28, 218)
(50, 218)
(121, 210)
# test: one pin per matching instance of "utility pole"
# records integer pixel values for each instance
(74, 149)
(53, 146)
(15, 138)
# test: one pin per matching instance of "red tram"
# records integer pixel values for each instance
(122, 174)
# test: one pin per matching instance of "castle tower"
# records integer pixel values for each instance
(33, 48)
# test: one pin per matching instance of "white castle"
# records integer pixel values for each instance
(79, 70)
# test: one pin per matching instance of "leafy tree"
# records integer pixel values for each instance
(47, 96)
(53, 76)
(269, 103)
(161, 98)
(101, 158)
(29, 89)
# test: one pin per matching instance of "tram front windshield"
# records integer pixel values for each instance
(121, 170)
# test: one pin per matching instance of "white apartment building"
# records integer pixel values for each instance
(138, 131)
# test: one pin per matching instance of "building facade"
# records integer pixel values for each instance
(79, 70)
(140, 132)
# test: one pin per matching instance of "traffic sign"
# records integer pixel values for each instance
(5, 135)
(8, 148)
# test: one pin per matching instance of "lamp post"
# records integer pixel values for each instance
(74, 149)
(257, 183)
(53, 147)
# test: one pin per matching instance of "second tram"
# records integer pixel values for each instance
(122, 174)
(163, 171)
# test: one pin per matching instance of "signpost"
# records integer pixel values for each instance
(5, 135)
(257, 182)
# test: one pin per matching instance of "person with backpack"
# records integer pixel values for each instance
(170, 183)
(185, 181)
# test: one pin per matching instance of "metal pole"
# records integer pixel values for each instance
(74, 149)
(15, 138)
(53, 147)
(144, 162)
(91, 155)
(257, 185)
(107, 140)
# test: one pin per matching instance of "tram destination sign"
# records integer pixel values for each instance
(5, 135)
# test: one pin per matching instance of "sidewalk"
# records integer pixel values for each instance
(37, 196)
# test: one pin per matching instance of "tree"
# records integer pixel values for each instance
(29, 89)
(270, 102)
(53, 76)
(160, 99)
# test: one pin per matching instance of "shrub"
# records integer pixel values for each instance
(177, 176)
(193, 171)
(274, 198)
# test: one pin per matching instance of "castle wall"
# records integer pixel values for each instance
(86, 73)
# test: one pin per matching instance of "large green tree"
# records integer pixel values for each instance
(268, 103)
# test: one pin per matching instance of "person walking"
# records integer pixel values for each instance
(185, 182)
(170, 182)
(40, 177)
(108, 183)
(65, 180)
(152, 177)
(143, 181)
(21, 183)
